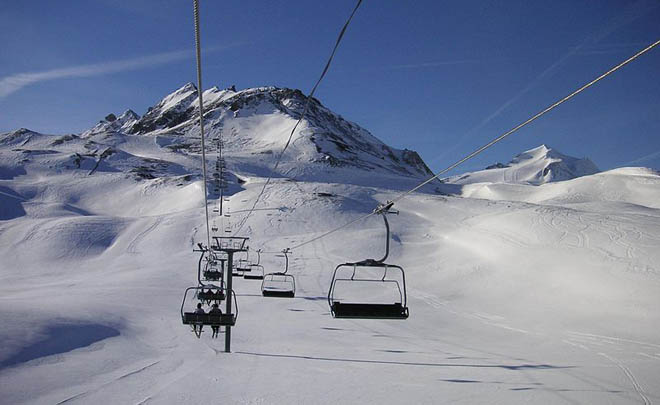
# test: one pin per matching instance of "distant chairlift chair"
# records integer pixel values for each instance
(279, 284)
(257, 272)
(243, 265)
(213, 274)
(211, 271)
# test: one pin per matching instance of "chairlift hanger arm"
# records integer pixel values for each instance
(383, 210)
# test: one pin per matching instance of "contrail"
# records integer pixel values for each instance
(13, 83)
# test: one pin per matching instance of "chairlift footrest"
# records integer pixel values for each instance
(369, 311)
(279, 294)
(191, 318)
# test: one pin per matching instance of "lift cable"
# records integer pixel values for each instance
(302, 116)
(201, 116)
(530, 120)
(403, 195)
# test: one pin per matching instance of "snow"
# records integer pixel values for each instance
(517, 292)
(536, 166)
(176, 99)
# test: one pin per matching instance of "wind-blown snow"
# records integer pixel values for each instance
(518, 293)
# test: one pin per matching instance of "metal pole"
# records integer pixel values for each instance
(201, 117)
(230, 260)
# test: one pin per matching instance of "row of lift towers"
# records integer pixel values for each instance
(218, 265)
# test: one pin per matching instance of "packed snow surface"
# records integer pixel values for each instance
(518, 293)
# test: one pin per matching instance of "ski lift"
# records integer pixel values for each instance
(279, 284)
(361, 273)
(244, 265)
(257, 272)
(211, 273)
(236, 272)
(211, 293)
(194, 319)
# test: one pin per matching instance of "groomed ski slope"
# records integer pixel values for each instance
(522, 298)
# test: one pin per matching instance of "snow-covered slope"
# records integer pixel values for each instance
(630, 185)
(526, 294)
(536, 166)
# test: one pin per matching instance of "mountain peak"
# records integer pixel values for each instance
(536, 166)
(190, 86)
(128, 115)
(257, 121)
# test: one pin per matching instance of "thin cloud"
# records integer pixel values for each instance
(627, 16)
(13, 83)
(606, 49)
(420, 65)
(433, 64)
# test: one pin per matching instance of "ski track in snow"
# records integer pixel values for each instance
(630, 376)
(106, 384)
(132, 246)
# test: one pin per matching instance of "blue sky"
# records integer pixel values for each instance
(438, 77)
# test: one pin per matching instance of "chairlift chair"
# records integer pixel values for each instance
(193, 319)
(211, 293)
(244, 265)
(236, 272)
(369, 310)
(212, 274)
(398, 309)
(279, 284)
(257, 272)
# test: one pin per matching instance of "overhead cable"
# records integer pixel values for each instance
(302, 116)
(489, 144)
(198, 55)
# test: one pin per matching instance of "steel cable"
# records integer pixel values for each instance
(201, 116)
(489, 144)
(302, 116)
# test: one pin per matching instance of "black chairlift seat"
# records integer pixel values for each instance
(279, 284)
(279, 294)
(258, 274)
(243, 267)
(237, 271)
(370, 310)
